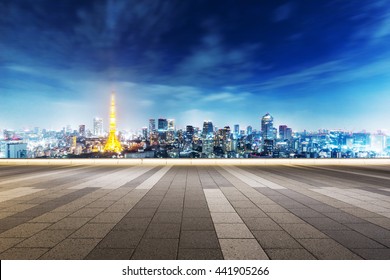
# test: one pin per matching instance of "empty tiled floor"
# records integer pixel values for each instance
(195, 212)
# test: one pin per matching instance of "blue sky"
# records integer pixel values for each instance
(311, 64)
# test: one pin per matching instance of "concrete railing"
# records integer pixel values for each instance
(195, 161)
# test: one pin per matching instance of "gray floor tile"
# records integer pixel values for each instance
(275, 240)
(242, 249)
(156, 249)
(200, 254)
(289, 254)
(198, 239)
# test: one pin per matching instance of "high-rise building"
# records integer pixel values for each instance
(171, 124)
(16, 150)
(113, 144)
(82, 130)
(144, 133)
(282, 132)
(152, 125)
(162, 125)
(207, 128)
(189, 132)
(268, 133)
(236, 129)
(98, 126)
(267, 127)
(248, 130)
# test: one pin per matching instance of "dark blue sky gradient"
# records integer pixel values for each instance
(311, 64)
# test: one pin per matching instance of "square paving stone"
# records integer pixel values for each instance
(345, 218)
(198, 239)
(160, 231)
(196, 212)
(22, 253)
(69, 223)
(352, 239)
(50, 217)
(25, 230)
(87, 212)
(71, 249)
(110, 254)
(302, 231)
(200, 254)
(242, 249)
(325, 224)
(306, 213)
(167, 217)
(373, 254)
(226, 218)
(197, 224)
(7, 242)
(261, 224)
(121, 239)
(250, 213)
(243, 204)
(93, 231)
(135, 224)
(232, 231)
(156, 249)
(46, 238)
(371, 230)
(141, 213)
(327, 249)
(285, 218)
(289, 254)
(275, 240)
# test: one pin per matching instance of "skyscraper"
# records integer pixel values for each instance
(283, 132)
(268, 133)
(97, 126)
(267, 127)
(236, 129)
(152, 125)
(82, 130)
(171, 124)
(207, 128)
(113, 144)
(162, 125)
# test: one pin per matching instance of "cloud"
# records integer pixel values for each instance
(226, 97)
(282, 12)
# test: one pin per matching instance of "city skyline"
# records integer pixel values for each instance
(224, 61)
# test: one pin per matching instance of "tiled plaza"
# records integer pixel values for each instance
(279, 211)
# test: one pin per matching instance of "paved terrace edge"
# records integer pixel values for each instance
(195, 162)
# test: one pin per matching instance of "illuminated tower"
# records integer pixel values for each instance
(112, 144)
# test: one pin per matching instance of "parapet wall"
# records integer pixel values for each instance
(195, 162)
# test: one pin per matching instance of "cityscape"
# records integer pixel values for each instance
(161, 139)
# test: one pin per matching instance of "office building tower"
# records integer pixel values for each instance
(98, 127)
(162, 125)
(189, 132)
(248, 130)
(82, 130)
(171, 124)
(144, 133)
(236, 129)
(152, 125)
(282, 132)
(267, 127)
(207, 128)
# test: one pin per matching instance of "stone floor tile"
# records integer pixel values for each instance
(8, 242)
(261, 224)
(69, 223)
(196, 212)
(71, 249)
(23, 253)
(242, 249)
(25, 230)
(240, 231)
(250, 213)
(198, 239)
(200, 254)
(110, 254)
(161, 231)
(109, 218)
(93, 231)
(167, 217)
(275, 239)
(197, 224)
(226, 218)
(302, 231)
(325, 223)
(352, 239)
(289, 254)
(285, 218)
(121, 239)
(327, 249)
(46, 238)
(136, 224)
(373, 254)
(156, 249)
